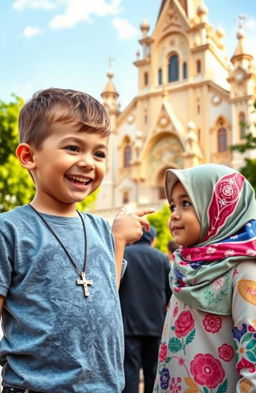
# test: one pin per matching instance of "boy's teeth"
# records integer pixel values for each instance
(80, 180)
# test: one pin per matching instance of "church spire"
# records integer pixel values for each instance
(110, 94)
(109, 89)
(189, 6)
(240, 52)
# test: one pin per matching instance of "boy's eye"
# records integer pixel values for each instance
(100, 154)
(72, 148)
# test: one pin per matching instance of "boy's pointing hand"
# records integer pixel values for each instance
(127, 227)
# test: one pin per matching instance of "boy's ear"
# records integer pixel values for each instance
(25, 154)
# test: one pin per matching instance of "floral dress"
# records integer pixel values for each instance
(211, 353)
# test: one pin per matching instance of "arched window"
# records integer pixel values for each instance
(199, 134)
(222, 140)
(160, 76)
(173, 68)
(145, 79)
(184, 70)
(198, 66)
(127, 156)
(145, 115)
(242, 124)
(126, 198)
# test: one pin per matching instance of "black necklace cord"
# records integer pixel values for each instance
(60, 242)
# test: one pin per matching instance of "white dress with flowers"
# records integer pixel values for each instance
(210, 353)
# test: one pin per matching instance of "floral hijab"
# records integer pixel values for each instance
(225, 204)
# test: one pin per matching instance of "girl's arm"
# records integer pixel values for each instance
(244, 331)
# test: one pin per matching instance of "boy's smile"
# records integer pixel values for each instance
(184, 224)
(68, 167)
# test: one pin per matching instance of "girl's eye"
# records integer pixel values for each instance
(172, 208)
(100, 154)
(72, 148)
(187, 203)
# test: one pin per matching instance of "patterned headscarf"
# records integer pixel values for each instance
(225, 204)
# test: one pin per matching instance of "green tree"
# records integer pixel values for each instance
(16, 185)
(159, 220)
(249, 169)
(9, 127)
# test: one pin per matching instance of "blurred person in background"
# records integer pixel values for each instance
(144, 295)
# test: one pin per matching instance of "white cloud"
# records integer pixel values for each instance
(31, 31)
(250, 24)
(83, 10)
(124, 29)
(250, 45)
(20, 5)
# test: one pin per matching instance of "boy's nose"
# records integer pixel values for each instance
(86, 161)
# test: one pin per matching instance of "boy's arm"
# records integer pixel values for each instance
(2, 299)
(127, 229)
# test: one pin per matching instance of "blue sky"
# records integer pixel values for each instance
(67, 43)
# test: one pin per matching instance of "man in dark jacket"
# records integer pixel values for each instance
(144, 295)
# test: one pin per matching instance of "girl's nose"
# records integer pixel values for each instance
(175, 215)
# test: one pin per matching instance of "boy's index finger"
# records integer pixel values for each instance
(144, 212)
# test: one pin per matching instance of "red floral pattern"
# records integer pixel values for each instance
(212, 323)
(184, 324)
(243, 363)
(198, 346)
(175, 311)
(207, 370)
(175, 386)
(162, 352)
(226, 352)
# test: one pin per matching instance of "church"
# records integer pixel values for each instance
(192, 103)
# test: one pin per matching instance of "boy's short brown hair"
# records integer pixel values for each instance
(60, 105)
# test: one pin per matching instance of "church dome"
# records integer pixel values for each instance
(220, 32)
(202, 10)
(145, 26)
(240, 34)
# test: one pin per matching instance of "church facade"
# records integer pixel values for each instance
(192, 103)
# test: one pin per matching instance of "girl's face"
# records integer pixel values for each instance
(183, 224)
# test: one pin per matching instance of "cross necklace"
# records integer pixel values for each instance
(83, 281)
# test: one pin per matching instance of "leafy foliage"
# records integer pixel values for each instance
(249, 169)
(9, 127)
(16, 186)
(89, 203)
(159, 220)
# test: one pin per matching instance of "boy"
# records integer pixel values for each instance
(58, 294)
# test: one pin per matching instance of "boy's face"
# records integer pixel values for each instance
(184, 224)
(69, 166)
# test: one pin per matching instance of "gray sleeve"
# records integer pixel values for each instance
(6, 264)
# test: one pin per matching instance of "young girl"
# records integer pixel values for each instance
(209, 338)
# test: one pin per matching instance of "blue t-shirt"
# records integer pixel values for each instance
(56, 339)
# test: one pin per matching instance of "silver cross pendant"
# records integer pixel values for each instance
(85, 282)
